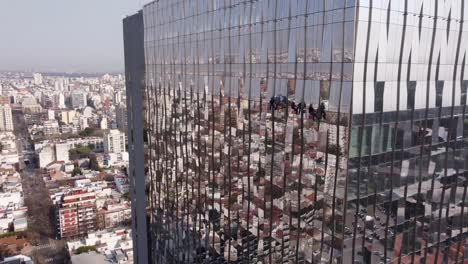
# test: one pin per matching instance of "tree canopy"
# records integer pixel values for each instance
(87, 132)
(85, 249)
(79, 152)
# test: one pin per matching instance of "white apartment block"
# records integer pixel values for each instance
(46, 156)
(114, 141)
(6, 118)
(50, 150)
(61, 151)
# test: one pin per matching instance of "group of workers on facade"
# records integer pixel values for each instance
(281, 101)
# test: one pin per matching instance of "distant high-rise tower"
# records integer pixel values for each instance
(121, 116)
(61, 101)
(79, 99)
(37, 78)
(59, 85)
(117, 97)
(6, 118)
(299, 131)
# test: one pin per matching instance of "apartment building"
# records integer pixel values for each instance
(76, 213)
(6, 118)
(114, 141)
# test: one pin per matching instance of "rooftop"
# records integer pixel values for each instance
(90, 257)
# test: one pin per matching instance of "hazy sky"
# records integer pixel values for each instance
(63, 35)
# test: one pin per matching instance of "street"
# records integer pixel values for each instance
(41, 215)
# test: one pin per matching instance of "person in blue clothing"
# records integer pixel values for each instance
(272, 104)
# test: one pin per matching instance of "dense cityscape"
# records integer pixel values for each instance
(245, 131)
(64, 186)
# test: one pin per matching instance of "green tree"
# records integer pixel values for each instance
(79, 152)
(87, 132)
(109, 178)
(85, 249)
(93, 163)
(76, 170)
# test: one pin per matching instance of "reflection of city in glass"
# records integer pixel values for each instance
(304, 131)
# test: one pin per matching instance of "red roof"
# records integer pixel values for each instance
(55, 162)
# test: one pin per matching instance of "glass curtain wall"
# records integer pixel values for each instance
(248, 113)
(306, 131)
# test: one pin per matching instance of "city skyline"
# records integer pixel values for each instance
(62, 142)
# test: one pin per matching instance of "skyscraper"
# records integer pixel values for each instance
(133, 32)
(301, 131)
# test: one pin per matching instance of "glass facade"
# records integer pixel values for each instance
(407, 157)
(305, 131)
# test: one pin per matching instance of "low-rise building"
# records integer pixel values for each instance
(20, 224)
(46, 156)
(51, 127)
(51, 150)
(115, 244)
(115, 159)
(22, 259)
(113, 215)
(46, 128)
(89, 257)
(121, 183)
(30, 107)
(69, 129)
(9, 153)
